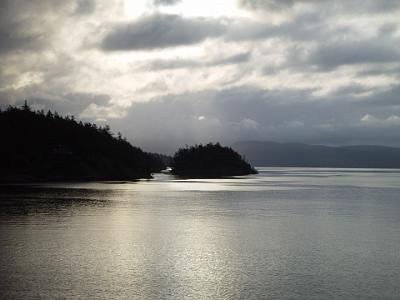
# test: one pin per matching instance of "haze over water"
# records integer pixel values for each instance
(286, 233)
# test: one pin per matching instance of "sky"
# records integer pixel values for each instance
(166, 73)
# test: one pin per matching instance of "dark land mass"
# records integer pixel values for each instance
(302, 155)
(38, 146)
(209, 161)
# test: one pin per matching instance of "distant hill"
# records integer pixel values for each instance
(209, 161)
(302, 155)
(38, 146)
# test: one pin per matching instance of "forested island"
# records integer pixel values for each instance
(209, 161)
(45, 146)
(39, 146)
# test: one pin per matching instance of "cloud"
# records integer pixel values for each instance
(288, 70)
(165, 2)
(370, 120)
(353, 52)
(305, 26)
(247, 112)
(247, 124)
(393, 69)
(293, 124)
(10, 41)
(353, 6)
(169, 64)
(352, 89)
(101, 112)
(27, 26)
(387, 98)
(71, 103)
(266, 4)
(16, 31)
(244, 112)
(375, 6)
(84, 7)
(161, 31)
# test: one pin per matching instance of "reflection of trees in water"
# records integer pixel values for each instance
(27, 200)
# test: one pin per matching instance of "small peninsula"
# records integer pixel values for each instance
(39, 146)
(209, 161)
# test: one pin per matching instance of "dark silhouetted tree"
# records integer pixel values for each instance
(38, 146)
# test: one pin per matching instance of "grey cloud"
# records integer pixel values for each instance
(334, 44)
(380, 70)
(375, 56)
(351, 89)
(170, 64)
(234, 59)
(319, 46)
(388, 97)
(165, 2)
(388, 29)
(375, 100)
(251, 113)
(161, 31)
(309, 26)
(15, 30)
(346, 6)
(29, 25)
(354, 52)
(39, 77)
(84, 7)
(71, 103)
(11, 40)
(266, 4)
(191, 63)
(378, 6)
(309, 43)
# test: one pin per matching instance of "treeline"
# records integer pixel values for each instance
(46, 146)
(210, 160)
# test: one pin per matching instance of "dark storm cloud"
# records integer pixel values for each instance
(161, 31)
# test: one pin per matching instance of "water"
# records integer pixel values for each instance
(287, 233)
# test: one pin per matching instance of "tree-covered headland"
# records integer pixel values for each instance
(209, 161)
(39, 146)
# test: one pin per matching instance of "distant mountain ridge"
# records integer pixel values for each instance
(274, 154)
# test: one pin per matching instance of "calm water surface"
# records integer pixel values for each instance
(286, 233)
